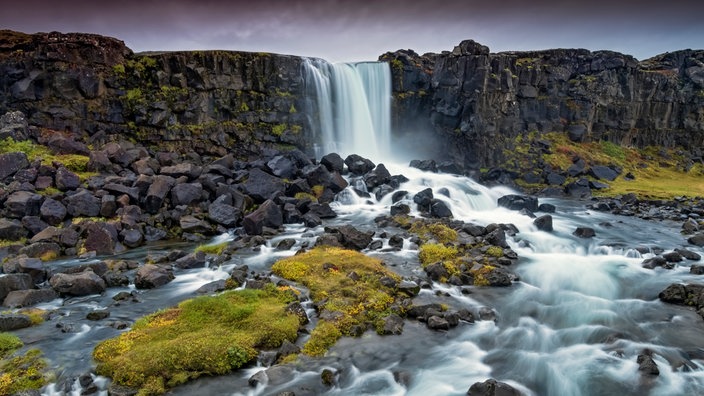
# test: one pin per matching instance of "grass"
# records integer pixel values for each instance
(435, 231)
(74, 162)
(433, 252)
(22, 372)
(216, 249)
(201, 336)
(346, 284)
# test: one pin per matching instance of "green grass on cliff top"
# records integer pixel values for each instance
(659, 173)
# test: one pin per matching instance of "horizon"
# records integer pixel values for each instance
(362, 31)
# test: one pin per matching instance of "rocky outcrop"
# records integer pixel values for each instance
(478, 102)
(207, 101)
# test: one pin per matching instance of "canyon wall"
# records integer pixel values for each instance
(477, 103)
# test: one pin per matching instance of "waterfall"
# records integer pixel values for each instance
(353, 102)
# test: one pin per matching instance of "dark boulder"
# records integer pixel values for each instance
(13, 281)
(646, 364)
(132, 238)
(11, 230)
(192, 260)
(11, 163)
(498, 277)
(100, 238)
(353, 238)
(674, 294)
(319, 175)
(223, 213)
(358, 165)
(439, 209)
(518, 202)
(688, 254)
(546, 208)
(157, 192)
(423, 199)
(603, 172)
(281, 166)
(653, 262)
(81, 284)
(268, 214)
(151, 276)
(66, 180)
(82, 203)
(322, 211)
(399, 209)
(186, 193)
(393, 324)
(438, 323)
(187, 169)
(23, 203)
(437, 271)
(696, 269)
(544, 223)
(262, 186)
(333, 162)
(193, 224)
(579, 189)
(555, 179)
(492, 387)
(697, 239)
(584, 232)
(577, 168)
(376, 177)
(672, 257)
(52, 211)
(118, 189)
(9, 322)
(424, 165)
(26, 298)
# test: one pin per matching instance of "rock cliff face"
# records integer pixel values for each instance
(479, 102)
(209, 101)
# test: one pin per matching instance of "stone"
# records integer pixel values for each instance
(353, 238)
(697, 239)
(52, 211)
(11, 230)
(555, 179)
(11, 282)
(322, 211)
(191, 171)
(132, 238)
(424, 165)
(98, 315)
(151, 276)
(82, 204)
(262, 186)
(439, 209)
(9, 322)
(518, 202)
(646, 364)
(11, 163)
(23, 203)
(546, 208)
(212, 287)
(118, 189)
(423, 199)
(157, 192)
(393, 324)
(603, 172)
(333, 162)
(579, 189)
(186, 193)
(410, 288)
(268, 214)
(99, 239)
(399, 208)
(358, 165)
(66, 180)
(81, 284)
(688, 254)
(544, 223)
(27, 298)
(224, 214)
(584, 232)
(193, 260)
(193, 224)
(492, 387)
(376, 177)
(438, 323)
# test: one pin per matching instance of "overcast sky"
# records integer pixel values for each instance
(363, 30)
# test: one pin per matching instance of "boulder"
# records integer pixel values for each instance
(9, 322)
(281, 166)
(182, 169)
(688, 254)
(157, 192)
(193, 224)
(423, 199)
(262, 186)
(52, 211)
(646, 364)
(697, 239)
(424, 165)
(186, 193)
(380, 175)
(26, 298)
(66, 180)
(100, 238)
(267, 215)
(11, 230)
(81, 284)
(192, 260)
(12, 282)
(579, 189)
(132, 238)
(11, 163)
(82, 203)
(518, 202)
(353, 238)
(108, 205)
(393, 324)
(439, 209)
(674, 294)
(492, 387)
(584, 232)
(151, 276)
(544, 223)
(358, 165)
(333, 162)
(322, 211)
(23, 203)
(603, 172)
(438, 323)
(14, 124)
(223, 213)
(399, 208)
(118, 189)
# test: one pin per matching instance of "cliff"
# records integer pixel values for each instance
(477, 102)
(210, 101)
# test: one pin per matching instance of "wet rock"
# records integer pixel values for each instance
(652, 262)
(579, 189)
(544, 223)
(286, 244)
(438, 323)
(518, 202)
(424, 165)
(674, 294)
(672, 257)
(584, 232)
(439, 209)
(9, 322)
(11, 230)
(190, 170)
(27, 298)
(327, 377)
(121, 390)
(322, 211)
(546, 208)
(151, 276)
(98, 315)
(132, 238)
(486, 313)
(492, 387)
(697, 239)
(408, 287)
(82, 284)
(333, 162)
(353, 238)
(268, 214)
(399, 209)
(421, 311)
(13, 281)
(192, 224)
(437, 271)
(224, 213)
(192, 260)
(423, 199)
(287, 348)
(358, 165)
(690, 226)
(688, 254)
(393, 324)
(498, 277)
(297, 309)
(696, 269)
(646, 364)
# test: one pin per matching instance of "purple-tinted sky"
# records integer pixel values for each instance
(362, 30)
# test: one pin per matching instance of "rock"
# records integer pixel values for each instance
(262, 186)
(353, 238)
(52, 211)
(223, 213)
(584, 232)
(546, 208)
(555, 179)
(157, 192)
(672, 257)
(603, 172)
(690, 226)
(327, 377)
(13, 124)
(151, 276)
(23, 203)
(118, 189)
(193, 260)
(498, 277)
(696, 269)
(26, 298)
(186, 193)
(409, 288)
(399, 209)
(99, 239)
(437, 271)
(11, 163)
(393, 324)
(518, 202)
(420, 311)
(11, 282)
(11, 230)
(688, 254)
(297, 309)
(268, 214)
(81, 284)
(544, 223)
(193, 224)
(318, 175)
(98, 314)
(82, 204)
(9, 322)
(653, 262)
(358, 165)
(492, 387)
(438, 323)
(282, 167)
(333, 162)
(439, 209)
(66, 180)
(187, 169)
(497, 237)
(579, 189)
(322, 211)
(424, 165)
(423, 199)
(674, 294)
(212, 287)
(577, 168)
(132, 238)
(286, 244)
(646, 364)
(697, 239)
(33, 224)
(376, 177)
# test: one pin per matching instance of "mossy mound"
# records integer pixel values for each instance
(22, 372)
(201, 336)
(348, 288)
(74, 162)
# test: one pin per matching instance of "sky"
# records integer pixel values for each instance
(338, 30)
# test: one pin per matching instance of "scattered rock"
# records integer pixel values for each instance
(584, 232)
(492, 387)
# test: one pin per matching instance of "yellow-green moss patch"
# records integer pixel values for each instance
(216, 249)
(433, 252)
(437, 231)
(22, 372)
(201, 336)
(344, 283)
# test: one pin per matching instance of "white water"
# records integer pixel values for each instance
(354, 106)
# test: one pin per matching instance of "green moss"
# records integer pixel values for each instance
(433, 252)
(216, 249)
(436, 231)
(9, 343)
(119, 69)
(305, 195)
(480, 275)
(354, 301)
(278, 129)
(73, 162)
(22, 372)
(202, 336)
(495, 251)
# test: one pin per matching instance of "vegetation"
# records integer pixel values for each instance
(201, 336)
(22, 372)
(347, 288)
(74, 162)
(433, 252)
(435, 231)
(215, 249)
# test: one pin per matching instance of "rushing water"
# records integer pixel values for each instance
(573, 325)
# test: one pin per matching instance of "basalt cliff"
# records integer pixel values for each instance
(474, 102)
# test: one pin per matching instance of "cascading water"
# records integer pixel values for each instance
(353, 103)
